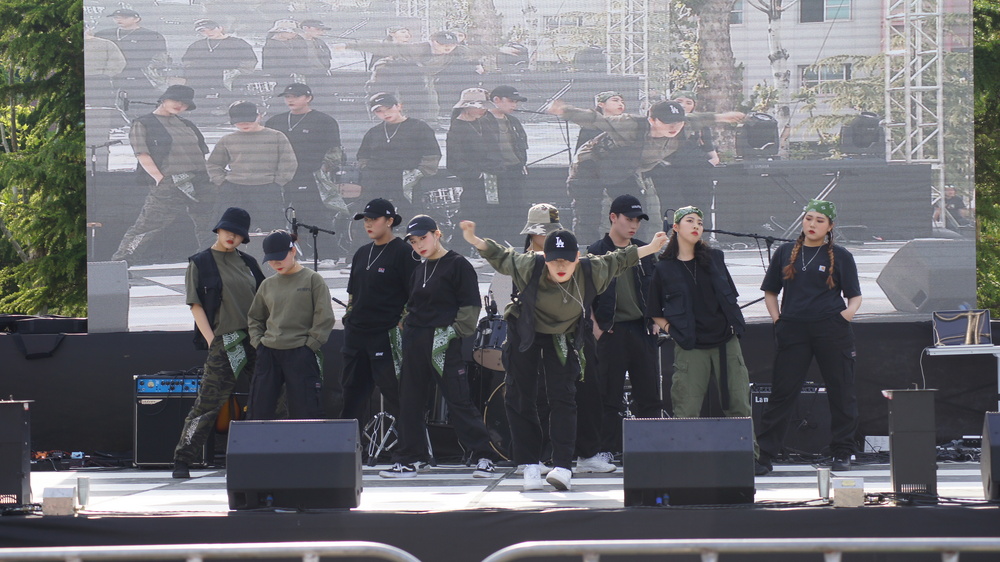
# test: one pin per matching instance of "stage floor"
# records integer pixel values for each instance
(449, 487)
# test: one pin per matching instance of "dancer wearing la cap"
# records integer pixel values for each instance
(220, 327)
(625, 339)
(377, 292)
(289, 321)
(549, 325)
(693, 297)
(814, 276)
(442, 309)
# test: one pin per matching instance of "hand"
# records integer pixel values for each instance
(556, 107)
(469, 233)
(598, 332)
(659, 240)
(158, 179)
(847, 315)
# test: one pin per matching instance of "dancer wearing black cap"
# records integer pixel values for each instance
(512, 146)
(289, 321)
(142, 48)
(171, 155)
(549, 325)
(220, 327)
(395, 154)
(442, 309)
(377, 292)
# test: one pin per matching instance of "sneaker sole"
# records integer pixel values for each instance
(397, 474)
(533, 487)
(558, 484)
(478, 474)
(579, 470)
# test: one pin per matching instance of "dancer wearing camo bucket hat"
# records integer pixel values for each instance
(815, 276)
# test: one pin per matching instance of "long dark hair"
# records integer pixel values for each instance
(789, 270)
(701, 250)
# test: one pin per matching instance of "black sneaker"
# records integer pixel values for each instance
(760, 469)
(399, 470)
(841, 462)
(181, 470)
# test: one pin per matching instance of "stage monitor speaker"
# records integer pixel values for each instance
(989, 465)
(688, 461)
(107, 296)
(757, 137)
(809, 429)
(15, 453)
(863, 136)
(162, 402)
(299, 464)
(931, 274)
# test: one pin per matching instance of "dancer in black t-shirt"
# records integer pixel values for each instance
(815, 277)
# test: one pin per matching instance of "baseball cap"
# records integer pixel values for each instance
(509, 92)
(667, 112)
(277, 245)
(444, 38)
(296, 89)
(205, 24)
(542, 219)
(629, 206)
(420, 225)
(379, 208)
(381, 99)
(314, 23)
(242, 112)
(125, 13)
(235, 220)
(561, 245)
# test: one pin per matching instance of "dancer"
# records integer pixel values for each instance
(549, 325)
(814, 276)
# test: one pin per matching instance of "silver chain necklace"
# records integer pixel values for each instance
(371, 261)
(692, 271)
(802, 254)
(427, 277)
(566, 293)
(292, 127)
(388, 137)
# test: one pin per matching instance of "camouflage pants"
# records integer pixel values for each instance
(162, 206)
(217, 384)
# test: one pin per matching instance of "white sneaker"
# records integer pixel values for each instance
(560, 478)
(399, 470)
(596, 463)
(484, 469)
(541, 467)
(532, 478)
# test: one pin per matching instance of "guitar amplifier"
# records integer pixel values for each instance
(162, 402)
(809, 428)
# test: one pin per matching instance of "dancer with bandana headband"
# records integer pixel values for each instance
(815, 276)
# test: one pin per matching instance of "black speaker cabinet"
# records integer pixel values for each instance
(15, 453)
(928, 275)
(757, 137)
(809, 429)
(863, 136)
(687, 461)
(912, 441)
(989, 466)
(300, 464)
(162, 402)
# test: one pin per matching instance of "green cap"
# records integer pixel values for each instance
(687, 94)
(685, 211)
(825, 207)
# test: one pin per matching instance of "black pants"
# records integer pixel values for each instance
(831, 342)
(627, 347)
(389, 184)
(414, 389)
(512, 185)
(264, 202)
(298, 371)
(368, 363)
(522, 391)
(589, 408)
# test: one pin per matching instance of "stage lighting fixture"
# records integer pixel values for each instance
(757, 137)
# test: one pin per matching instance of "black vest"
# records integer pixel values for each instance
(526, 303)
(159, 141)
(209, 288)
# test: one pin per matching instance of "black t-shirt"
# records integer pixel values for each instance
(439, 288)
(380, 285)
(311, 134)
(711, 327)
(806, 296)
(140, 46)
(205, 60)
(398, 147)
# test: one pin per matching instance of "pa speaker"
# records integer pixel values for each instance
(809, 431)
(15, 453)
(990, 466)
(757, 137)
(930, 274)
(688, 461)
(863, 136)
(299, 464)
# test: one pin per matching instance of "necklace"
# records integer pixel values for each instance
(371, 261)
(212, 49)
(566, 293)
(802, 254)
(118, 33)
(388, 137)
(692, 268)
(427, 277)
(292, 127)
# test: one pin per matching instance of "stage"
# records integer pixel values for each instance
(446, 515)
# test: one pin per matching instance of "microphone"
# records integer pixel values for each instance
(295, 223)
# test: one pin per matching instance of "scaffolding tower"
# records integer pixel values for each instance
(419, 9)
(628, 41)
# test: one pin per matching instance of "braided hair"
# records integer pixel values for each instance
(789, 270)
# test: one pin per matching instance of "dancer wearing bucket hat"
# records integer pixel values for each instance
(474, 157)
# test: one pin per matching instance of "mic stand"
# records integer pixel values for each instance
(315, 230)
(768, 240)
(93, 154)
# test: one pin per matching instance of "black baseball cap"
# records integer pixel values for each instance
(561, 245)
(509, 92)
(444, 37)
(296, 89)
(379, 208)
(243, 112)
(420, 225)
(629, 206)
(667, 112)
(313, 23)
(381, 99)
(125, 13)
(277, 245)
(206, 24)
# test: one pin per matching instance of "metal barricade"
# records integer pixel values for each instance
(710, 549)
(307, 551)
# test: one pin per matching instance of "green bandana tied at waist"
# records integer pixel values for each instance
(396, 345)
(237, 354)
(564, 343)
(442, 337)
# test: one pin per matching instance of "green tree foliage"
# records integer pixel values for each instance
(986, 40)
(43, 246)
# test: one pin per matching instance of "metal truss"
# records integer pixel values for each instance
(420, 9)
(628, 37)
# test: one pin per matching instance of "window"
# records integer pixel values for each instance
(736, 14)
(824, 10)
(812, 77)
(555, 22)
